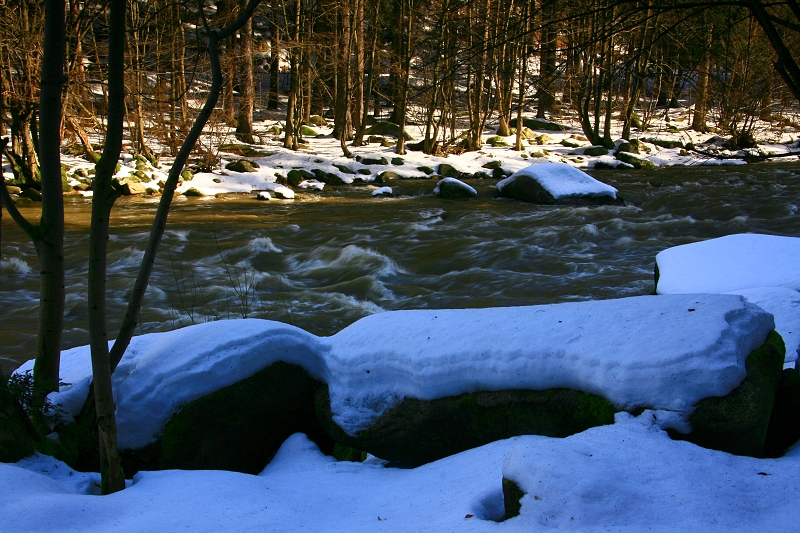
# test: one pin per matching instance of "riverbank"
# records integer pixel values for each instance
(320, 162)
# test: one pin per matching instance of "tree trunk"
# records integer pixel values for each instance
(247, 95)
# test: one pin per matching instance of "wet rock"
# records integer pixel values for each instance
(383, 191)
(283, 193)
(453, 188)
(383, 177)
(295, 176)
(193, 192)
(448, 171)
(527, 189)
(328, 178)
(263, 195)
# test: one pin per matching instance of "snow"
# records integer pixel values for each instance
(562, 181)
(627, 477)
(730, 263)
(762, 268)
(382, 191)
(663, 352)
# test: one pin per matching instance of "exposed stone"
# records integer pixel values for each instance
(375, 139)
(31, 194)
(386, 143)
(571, 143)
(305, 131)
(595, 150)
(496, 140)
(343, 169)
(512, 495)
(498, 173)
(364, 171)
(527, 189)
(543, 139)
(193, 192)
(537, 124)
(448, 171)
(242, 165)
(263, 195)
(398, 161)
(327, 177)
(187, 175)
(738, 422)
(635, 161)
(238, 428)
(383, 177)
(387, 128)
(374, 161)
(13, 189)
(295, 176)
(316, 120)
(426, 170)
(453, 188)
(664, 143)
(629, 147)
(415, 432)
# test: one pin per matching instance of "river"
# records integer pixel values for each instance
(325, 260)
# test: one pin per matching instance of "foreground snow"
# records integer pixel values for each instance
(664, 352)
(627, 477)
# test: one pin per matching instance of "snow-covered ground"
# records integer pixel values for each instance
(629, 476)
(324, 153)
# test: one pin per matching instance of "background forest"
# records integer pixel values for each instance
(449, 66)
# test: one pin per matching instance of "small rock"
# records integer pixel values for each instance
(193, 192)
(284, 193)
(263, 195)
(453, 188)
(383, 191)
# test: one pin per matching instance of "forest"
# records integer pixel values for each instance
(447, 65)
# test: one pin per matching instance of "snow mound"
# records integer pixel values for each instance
(562, 181)
(632, 477)
(730, 263)
(661, 352)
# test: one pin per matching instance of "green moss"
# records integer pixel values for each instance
(415, 431)
(346, 453)
(193, 192)
(241, 427)
(305, 131)
(738, 423)
(187, 175)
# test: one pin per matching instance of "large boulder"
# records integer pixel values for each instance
(239, 427)
(242, 165)
(738, 422)
(635, 160)
(415, 432)
(537, 124)
(295, 176)
(557, 183)
(784, 422)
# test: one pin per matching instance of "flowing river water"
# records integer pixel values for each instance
(325, 260)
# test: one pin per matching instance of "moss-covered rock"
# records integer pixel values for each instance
(664, 143)
(387, 128)
(738, 423)
(537, 124)
(316, 120)
(238, 428)
(193, 192)
(491, 165)
(383, 177)
(245, 150)
(448, 171)
(398, 161)
(426, 170)
(595, 150)
(305, 131)
(635, 161)
(295, 176)
(629, 147)
(496, 140)
(374, 161)
(328, 178)
(31, 194)
(415, 432)
(187, 175)
(242, 165)
(571, 143)
(344, 169)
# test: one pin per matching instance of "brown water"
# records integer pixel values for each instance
(323, 261)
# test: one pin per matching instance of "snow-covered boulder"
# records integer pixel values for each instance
(453, 188)
(762, 268)
(557, 183)
(263, 195)
(730, 263)
(284, 193)
(382, 191)
(660, 352)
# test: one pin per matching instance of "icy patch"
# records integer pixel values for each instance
(562, 181)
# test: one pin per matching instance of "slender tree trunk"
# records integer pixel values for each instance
(247, 95)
